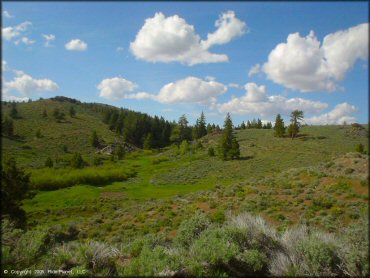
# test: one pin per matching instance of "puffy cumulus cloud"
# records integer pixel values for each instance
(254, 70)
(76, 45)
(172, 39)
(48, 39)
(10, 32)
(26, 84)
(6, 14)
(341, 113)
(191, 90)
(302, 64)
(228, 28)
(256, 101)
(115, 88)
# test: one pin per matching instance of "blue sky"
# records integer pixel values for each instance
(170, 59)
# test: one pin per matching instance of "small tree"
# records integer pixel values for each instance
(242, 126)
(8, 127)
(13, 111)
(279, 126)
(148, 142)
(360, 148)
(120, 152)
(72, 112)
(211, 151)
(14, 186)
(295, 123)
(184, 147)
(94, 140)
(228, 147)
(58, 115)
(38, 133)
(44, 113)
(77, 161)
(49, 163)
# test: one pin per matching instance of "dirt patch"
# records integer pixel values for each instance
(113, 195)
(204, 206)
(327, 181)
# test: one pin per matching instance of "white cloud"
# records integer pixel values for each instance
(115, 88)
(254, 70)
(256, 101)
(6, 97)
(6, 14)
(24, 40)
(76, 45)
(302, 64)
(119, 49)
(172, 39)
(191, 90)
(228, 28)
(10, 33)
(48, 39)
(26, 84)
(341, 112)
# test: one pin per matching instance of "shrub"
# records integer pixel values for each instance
(77, 161)
(191, 229)
(211, 151)
(184, 147)
(254, 261)
(49, 163)
(360, 148)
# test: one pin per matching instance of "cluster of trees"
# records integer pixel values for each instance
(255, 124)
(296, 118)
(138, 128)
(8, 124)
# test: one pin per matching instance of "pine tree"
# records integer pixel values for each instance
(295, 123)
(228, 147)
(120, 152)
(94, 140)
(77, 161)
(49, 163)
(148, 141)
(249, 124)
(242, 126)
(209, 128)
(13, 111)
(259, 123)
(72, 112)
(279, 126)
(44, 114)
(8, 127)
(202, 129)
(14, 186)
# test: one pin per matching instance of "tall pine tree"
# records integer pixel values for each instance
(279, 126)
(228, 147)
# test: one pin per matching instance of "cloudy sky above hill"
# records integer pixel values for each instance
(253, 60)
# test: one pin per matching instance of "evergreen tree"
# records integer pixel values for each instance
(120, 152)
(58, 115)
(44, 114)
(295, 123)
(249, 124)
(209, 128)
(8, 127)
(14, 186)
(77, 161)
(228, 147)
(94, 140)
(72, 112)
(279, 126)
(202, 129)
(49, 163)
(269, 125)
(242, 126)
(259, 124)
(148, 141)
(13, 111)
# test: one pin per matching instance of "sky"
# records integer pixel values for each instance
(251, 59)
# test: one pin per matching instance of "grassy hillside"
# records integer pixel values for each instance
(136, 215)
(73, 132)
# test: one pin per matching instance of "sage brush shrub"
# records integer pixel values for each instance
(191, 229)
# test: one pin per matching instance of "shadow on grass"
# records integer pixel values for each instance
(248, 157)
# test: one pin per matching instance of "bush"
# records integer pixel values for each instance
(211, 151)
(184, 147)
(77, 161)
(191, 229)
(49, 163)
(360, 148)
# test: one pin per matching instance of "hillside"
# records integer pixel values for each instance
(145, 204)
